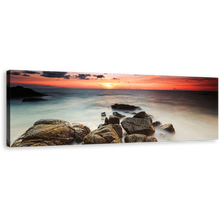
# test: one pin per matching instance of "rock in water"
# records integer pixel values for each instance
(135, 138)
(47, 132)
(113, 120)
(102, 135)
(118, 129)
(125, 107)
(168, 127)
(103, 114)
(151, 139)
(106, 121)
(118, 115)
(156, 123)
(138, 126)
(141, 114)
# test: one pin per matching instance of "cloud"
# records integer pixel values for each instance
(99, 76)
(115, 78)
(15, 73)
(25, 75)
(30, 72)
(83, 76)
(51, 74)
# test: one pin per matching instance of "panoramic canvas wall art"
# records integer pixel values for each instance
(46, 108)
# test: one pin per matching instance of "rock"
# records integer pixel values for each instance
(113, 120)
(101, 125)
(141, 114)
(151, 139)
(106, 121)
(46, 132)
(33, 99)
(81, 133)
(103, 114)
(77, 125)
(118, 115)
(138, 126)
(21, 92)
(102, 135)
(168, 127)
(135, 138)
(156, 123)
(125, 107)
(118, 129)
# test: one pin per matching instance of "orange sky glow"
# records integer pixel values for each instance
(47, 79)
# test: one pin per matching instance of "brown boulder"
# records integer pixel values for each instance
(102, 135)
(151, 139)
(113, 120)
(168, 127)
(156, 123)
(138, 126)
(46, 132)
(135, 138)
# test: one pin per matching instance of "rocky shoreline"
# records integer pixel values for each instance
(117, 128)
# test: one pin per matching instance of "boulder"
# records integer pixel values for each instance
(118, 115)
(46, 132)
(135, 138)
(103, 114)
(118, 129)
(138, 126)
(143, 114)
(168, 127)
(151, 139)
(156, 123)
(106, 121)
(102, 135)
(125, 107)
(113, 120)
(80, 132)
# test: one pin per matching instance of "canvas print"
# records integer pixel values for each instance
(46, 108)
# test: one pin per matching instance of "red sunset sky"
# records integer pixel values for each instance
(37, 79)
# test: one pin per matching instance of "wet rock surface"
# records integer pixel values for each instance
(118, 115)
(113, 120)
(151, 139)
(156, 124)
(135, 138)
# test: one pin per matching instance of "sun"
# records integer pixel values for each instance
(108, 85)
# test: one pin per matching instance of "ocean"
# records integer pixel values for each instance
(194, 115)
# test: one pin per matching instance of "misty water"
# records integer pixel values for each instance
(194, 115)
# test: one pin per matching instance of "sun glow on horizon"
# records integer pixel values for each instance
(108, 85)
